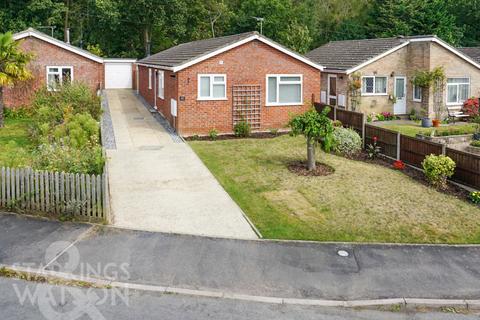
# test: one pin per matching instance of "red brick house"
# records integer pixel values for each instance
(215, 83)
(56, 61)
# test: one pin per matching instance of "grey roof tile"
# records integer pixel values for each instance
(346, 54)
(472, 52)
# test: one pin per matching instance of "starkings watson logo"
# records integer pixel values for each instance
(69, 302)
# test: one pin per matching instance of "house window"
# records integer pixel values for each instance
(56, 76)
(374, 85)
(458, 90)
(150, 79)
(417, 93)
(212, 87)
(161, 84)
(284, 90)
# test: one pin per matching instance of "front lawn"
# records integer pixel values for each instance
(15, 145)
(359, 202)
(411, 128)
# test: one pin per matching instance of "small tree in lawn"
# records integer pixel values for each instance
(13, 66)
(316, 127)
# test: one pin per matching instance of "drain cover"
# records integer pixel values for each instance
(342, 253)
(138, 118)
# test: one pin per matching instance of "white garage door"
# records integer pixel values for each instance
(118, 75)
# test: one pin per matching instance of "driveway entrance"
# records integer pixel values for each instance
(158, 183)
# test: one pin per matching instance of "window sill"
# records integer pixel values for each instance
(296, 104)
(374, 95)
(416, 100)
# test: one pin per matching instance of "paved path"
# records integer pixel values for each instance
(258, 267)
(157, 184)
(138, 305)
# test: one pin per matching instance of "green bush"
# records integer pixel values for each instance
(475, 143)
(59, 157)
(346, 141)
(242, 129)
(438, 169)
(16, 113)
(78, 131)
(213, 134)
(475, 197)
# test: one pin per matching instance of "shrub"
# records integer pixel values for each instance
(59, 157)
(475, 143)
(16, 113)
(337, 123)
(373, 149)
(438, 169)
(346, 141)
(475, 197)
(213, 134)
(274, 131)
(471, 107)
(242, 129)
(78, 131)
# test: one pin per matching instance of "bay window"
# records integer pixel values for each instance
(458, 90)
(373, 85)
(212, 87)
(56, 76)
(284, 90)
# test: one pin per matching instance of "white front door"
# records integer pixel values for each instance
(332, 90)
(400, 93)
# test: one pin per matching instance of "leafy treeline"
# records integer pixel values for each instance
(130, 28)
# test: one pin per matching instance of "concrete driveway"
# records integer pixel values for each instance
(158, 183)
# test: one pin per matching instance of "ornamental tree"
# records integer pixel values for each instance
(317, 128)
(13, 66)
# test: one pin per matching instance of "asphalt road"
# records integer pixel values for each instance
(65, 304)
(265, 268)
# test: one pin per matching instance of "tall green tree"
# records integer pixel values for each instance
(13, 66)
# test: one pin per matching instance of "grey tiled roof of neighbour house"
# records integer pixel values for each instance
(472, 52)
(186, 52)
(346, 54)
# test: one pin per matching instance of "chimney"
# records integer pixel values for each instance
(67, 35)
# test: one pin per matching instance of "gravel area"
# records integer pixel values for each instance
(107, 133)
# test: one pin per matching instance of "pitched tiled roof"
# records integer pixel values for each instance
(186, 52)
(472, 52)
(343, 55)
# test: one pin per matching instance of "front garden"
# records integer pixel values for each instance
(59, 131)
(340, 193)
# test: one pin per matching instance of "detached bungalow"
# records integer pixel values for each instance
(216, 83)
(55, 61)
(386, 67)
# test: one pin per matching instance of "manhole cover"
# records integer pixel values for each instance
(342, 253)
(138, 118)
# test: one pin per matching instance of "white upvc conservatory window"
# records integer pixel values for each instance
(417, 93)
(212, 87)
(56, 76)
(458, 90)
(161, 84)
(284, 89)
(373, 85)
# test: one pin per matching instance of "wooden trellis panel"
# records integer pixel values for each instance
(247, 103)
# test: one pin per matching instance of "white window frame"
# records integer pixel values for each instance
(149, 78)
(161, 84)
(413, 94)
(212, 77)
(277, 103)
(59, 73)
(374, 86)
(458, 102)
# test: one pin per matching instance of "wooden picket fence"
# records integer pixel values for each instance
(28, 190)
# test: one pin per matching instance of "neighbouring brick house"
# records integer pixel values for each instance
(55, 61)
(386, 68)
(215, 83)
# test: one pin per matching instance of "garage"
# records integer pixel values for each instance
(119, 73)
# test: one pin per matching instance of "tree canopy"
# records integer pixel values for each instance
(127, 28)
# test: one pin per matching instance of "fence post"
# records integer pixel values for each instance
(444, 149)
(334, 113)
(398, 145)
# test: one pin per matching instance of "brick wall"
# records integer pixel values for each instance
(46, 54)
(245, 65)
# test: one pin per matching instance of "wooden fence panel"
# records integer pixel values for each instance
(351, 119)
(413, 150)
(467, 170)
(54, 192)
(387, 140)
